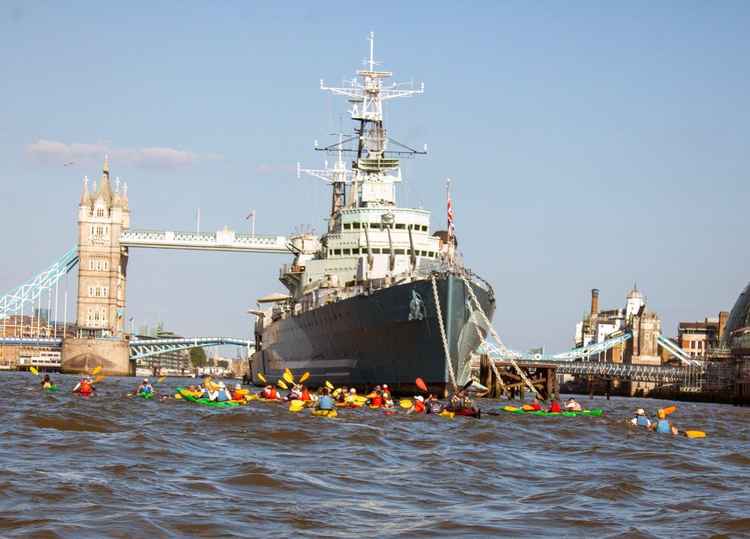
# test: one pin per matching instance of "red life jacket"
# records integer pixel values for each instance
(419, 407)
(555, 407)
(305, 395)
(536, 406)
(377, 400)
(85, 388)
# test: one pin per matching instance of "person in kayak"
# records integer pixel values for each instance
(573, 405)
(640, 419)
(269, 393)
(432, 405)
(304, 394)
(375, 399)
(85, 387)
(222, 393)
(554, 407)
(325, 401)
(47, 382)
(387, 397)
(418, 407)
(342, 394)
(295, 393)
(145, 388)
(663, 425)
(238, 394)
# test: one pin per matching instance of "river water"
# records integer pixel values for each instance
(111, 466)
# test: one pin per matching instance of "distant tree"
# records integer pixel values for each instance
(222, 364)
(198, 357)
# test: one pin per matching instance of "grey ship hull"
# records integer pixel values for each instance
(385, 336)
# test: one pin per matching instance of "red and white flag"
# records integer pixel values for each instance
(451, 228)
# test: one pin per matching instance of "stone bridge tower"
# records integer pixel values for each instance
(103, 213)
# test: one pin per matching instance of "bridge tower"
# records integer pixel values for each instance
(103, 213)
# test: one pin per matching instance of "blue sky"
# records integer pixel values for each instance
(590, 144)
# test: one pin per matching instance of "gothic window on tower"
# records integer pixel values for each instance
(100, 212)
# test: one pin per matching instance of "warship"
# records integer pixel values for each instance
(379, 298)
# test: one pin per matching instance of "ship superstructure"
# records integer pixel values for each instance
(371, 245)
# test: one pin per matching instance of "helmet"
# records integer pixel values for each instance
(385, 386)
(353, 391)
(145, 380)
(419, 398)
(640, 411)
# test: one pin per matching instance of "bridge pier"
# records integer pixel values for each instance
(82, 355)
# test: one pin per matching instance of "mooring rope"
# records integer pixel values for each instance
(442, 335)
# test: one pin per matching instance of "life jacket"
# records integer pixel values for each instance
(419, 407)
(85, 388)
(238, 395)
(663, 427)
(536, 406)
(305, 395)
(377, 401)
(555, 407)
(325, 402)
(270, 393)
(642, 421)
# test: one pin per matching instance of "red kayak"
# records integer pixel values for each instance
(469, 412)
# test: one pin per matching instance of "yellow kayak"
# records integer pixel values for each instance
(325, 413)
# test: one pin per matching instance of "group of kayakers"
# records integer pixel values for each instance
(660, 424)
(571, 405)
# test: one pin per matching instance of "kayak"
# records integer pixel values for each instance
(448, 414)
(51, 388)
(145, 395)
(296, 406)
(186, 395)
(594, 412)
(469, 412)
(325, 413)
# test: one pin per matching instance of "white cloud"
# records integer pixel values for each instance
(58, 153)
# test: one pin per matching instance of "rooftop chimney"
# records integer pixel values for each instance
(723, 317)
(594, 301)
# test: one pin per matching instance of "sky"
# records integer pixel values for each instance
(590, 144)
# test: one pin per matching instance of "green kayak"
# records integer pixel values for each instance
(145, 395)
(204, 401)
(51, 388)
(594, 412)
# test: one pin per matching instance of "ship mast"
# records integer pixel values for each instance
(375, 168)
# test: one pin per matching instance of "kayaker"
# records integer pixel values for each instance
(640, 419)
(325, 401)
(145, 388)
(387, 397)
(663, 425)
(432, 405)
(418, 407)
(85, 387)
(269, 393)
(47, 382)
(222, 394)
(573, 405)
(295, 393)
(238, 394)
(343, 393)
(375, 398)
(304, 394)
(535, 405)
(554, 407)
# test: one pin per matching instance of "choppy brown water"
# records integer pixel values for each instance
(110, 466)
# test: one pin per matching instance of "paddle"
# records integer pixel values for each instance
(160, 380)
(288, 376)
(96, 370)
(405, 403)
(262, 378)
(421, 385)
(329, 385)
(694, 433)
(304, 377)
(281, 384)
(34, 371)
(669, 410)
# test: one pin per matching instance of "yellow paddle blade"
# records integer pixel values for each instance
(510, 408)
(296, 406)
(160, 380)
(329, 385)
(337, 392)
(360, 400)
(669, 410)
(97, 370)
(34, 371)
(262, 378)
(99, 378)
(281, 384)
(177, 396)
(695, 434)
(304, 377)
(405, 403)
(288, 376)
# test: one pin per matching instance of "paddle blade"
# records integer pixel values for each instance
(304, 377)
(97, 370)
(99, 378)
(288, 376)
(336, 392)
(329, 385)
(262, 378)
(405, 403)
(421, 385)
(34, 371)
(695, 434)
(281, 384)
(160, 380)
(669, 410)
